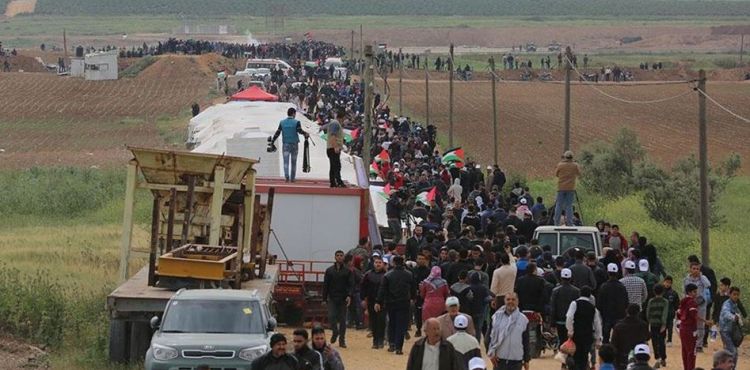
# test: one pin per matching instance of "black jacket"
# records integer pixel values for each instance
(338, 283)
(268, 361)
(309, 359)
(582, 276)
(413, 246)
(612, 300)
(449, 359)
(562, 295)
(370, 285)
(629, 332)
(531, 293)
(397, 287)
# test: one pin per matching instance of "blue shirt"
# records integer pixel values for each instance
(728, 315)
(290, 128)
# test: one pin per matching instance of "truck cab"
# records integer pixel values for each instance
(214, 327)
(563, 238)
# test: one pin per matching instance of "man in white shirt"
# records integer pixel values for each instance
(509, 339)
(584, 326)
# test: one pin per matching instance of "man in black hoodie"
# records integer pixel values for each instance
(396, 292)
(338, 285)
(612, 301)
(370, 286)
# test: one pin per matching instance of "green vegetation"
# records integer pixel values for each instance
(138, 67)
(59, 232)
(674, 244)
(397, 7)
(172, 129)
(621, 168)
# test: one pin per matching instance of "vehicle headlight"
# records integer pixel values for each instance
(163, 353)
(249, 354)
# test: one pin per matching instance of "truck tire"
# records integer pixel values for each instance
(119, 338)
(140, 339)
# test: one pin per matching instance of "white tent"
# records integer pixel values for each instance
(242, 128)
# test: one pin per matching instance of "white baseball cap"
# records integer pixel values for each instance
(630, 265)
(642, 349)
(566, 274)
(477, 363)
(523, 201)
(452, 301)
(612, 267)
(461, 322)
(643, 265)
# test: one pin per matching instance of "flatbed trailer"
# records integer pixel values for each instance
(134, 303)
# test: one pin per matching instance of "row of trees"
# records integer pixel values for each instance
(670, 196)
(618, 8)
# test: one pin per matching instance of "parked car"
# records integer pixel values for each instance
(221, 328)
(563, 238)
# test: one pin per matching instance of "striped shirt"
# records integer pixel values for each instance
(657, 311)
(636, 287)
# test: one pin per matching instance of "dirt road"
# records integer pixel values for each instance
(359, 356)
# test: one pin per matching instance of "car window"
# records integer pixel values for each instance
(548, 239)
(211, 316)
(576, 240)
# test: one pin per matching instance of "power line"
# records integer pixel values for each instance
(725, 109)
(627, 101)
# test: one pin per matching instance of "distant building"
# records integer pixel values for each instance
(95, 66)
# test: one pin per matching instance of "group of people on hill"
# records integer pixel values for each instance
(463, 272)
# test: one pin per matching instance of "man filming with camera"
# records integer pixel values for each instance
(289, 129)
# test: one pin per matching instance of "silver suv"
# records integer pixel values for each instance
(223, 329)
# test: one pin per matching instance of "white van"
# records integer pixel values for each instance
(263, 67)
(563, 238)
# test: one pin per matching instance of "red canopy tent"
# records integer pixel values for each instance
(254, 93)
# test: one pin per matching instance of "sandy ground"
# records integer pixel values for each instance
(359, 355)
(15, 354)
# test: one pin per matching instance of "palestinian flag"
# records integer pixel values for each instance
(374, 169)
(383, 157)
(454, 158)
(427, 197)
(387, 189)
(347, 137)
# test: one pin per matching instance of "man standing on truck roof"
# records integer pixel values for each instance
(290, 129)
(567, 171)
(338, 285)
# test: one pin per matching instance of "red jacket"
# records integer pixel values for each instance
(623, 243)
(688, 314)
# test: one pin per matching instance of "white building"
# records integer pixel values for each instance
(95, 66)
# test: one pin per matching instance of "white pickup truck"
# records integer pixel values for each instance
(562, 238)
(262, 67)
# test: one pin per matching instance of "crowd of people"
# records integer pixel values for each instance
(462, 271)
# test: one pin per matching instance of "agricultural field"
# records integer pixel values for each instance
(49, 120)
(393, 7)
(530, 117)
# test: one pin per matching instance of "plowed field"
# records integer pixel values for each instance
(46, 119)
(531, 119)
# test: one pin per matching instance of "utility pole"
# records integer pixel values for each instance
(351, 48)
(369, 97)
(494, 108)
(567, 104)
(400, 82)
(361, 43)
(450, 98)
(427, 91)
(65, 46)
(742, 46)
(703, 166)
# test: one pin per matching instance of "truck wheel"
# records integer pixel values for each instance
(119, 338)
(140, 339)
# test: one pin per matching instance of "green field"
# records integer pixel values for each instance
(68, 263)
(25, 26)
(396, 7)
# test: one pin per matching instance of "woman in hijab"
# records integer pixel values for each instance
(434, 290)
(456, 190)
